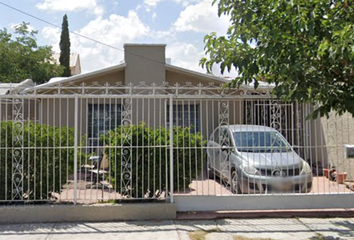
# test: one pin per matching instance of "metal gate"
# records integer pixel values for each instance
(230, 149)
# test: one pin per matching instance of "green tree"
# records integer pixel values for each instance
(64, 44)
(305, 48)
(22, 58)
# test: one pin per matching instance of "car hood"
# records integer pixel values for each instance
(273, 160)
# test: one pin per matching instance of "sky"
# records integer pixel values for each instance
(181, 24)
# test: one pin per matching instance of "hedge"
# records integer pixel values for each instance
(47, 159)
(140, 156)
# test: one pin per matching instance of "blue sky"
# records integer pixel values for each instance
(181, 24)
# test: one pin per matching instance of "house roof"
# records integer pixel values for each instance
(14, 88)
(194, 73)
(5, 88)
(168, 67)
(62, 80)
(262, 85)
(73, 58)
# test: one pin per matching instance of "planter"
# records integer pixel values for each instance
(341, 177)
(326, 172)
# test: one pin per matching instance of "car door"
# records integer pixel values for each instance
(213, 148)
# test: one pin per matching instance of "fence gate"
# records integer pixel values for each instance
(227, 149)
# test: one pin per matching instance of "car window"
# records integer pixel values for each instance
(260, 142)
(225, 138)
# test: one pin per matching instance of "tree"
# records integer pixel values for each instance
(22, 58)
(64, 44)
(305, 48)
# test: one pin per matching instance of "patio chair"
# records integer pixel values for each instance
(100, 170)
(92, 163)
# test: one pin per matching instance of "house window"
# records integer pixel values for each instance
(185, 116)
(102, 118)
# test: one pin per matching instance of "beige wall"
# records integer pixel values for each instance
(28, 110)
(338, 131)
(145, 63)
(76, 69)
(5, 112)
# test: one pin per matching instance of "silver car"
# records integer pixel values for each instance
(256, 159)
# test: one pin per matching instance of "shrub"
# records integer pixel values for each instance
(47, 159)
(140, 156)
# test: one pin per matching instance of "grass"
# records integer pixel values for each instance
(318, 236)
(200, 234)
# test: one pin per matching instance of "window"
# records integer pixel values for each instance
(102, 118)
(260, 142)
(185, 116)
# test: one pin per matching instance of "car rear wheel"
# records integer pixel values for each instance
(234, 184)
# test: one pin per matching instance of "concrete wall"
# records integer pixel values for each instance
(338, 131)
(91, 213)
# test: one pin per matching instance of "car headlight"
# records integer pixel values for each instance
(306, 169)
(250, 169)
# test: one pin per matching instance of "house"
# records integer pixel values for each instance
(140, 89)
(75, 64)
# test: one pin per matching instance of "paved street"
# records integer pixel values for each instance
(224, 229)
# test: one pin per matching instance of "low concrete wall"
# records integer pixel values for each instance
(263, 202)
(92, 213)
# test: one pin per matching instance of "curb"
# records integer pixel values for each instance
(317, 213)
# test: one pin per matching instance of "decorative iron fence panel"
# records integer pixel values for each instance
(90, 143)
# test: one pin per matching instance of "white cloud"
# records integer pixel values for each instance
(201, 17)
(52, 34)
(184, 55)
(152, 3)
(187, 56)
(114, 31)
(71, 5)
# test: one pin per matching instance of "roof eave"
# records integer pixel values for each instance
(77, 77)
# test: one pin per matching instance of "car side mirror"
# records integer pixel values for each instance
(225, 149)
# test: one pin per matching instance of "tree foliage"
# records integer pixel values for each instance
(22, 58)
(305, 48)
(64, 45)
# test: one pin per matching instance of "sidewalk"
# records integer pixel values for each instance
(224, 229)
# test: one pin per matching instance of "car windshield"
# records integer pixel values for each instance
(260, 142)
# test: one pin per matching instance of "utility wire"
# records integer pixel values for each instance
(78, 34)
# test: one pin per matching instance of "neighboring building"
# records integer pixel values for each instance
(75, 65)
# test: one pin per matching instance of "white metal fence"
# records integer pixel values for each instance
(98, 143)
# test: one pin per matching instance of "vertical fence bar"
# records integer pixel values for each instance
(171, 148)
(76, 122)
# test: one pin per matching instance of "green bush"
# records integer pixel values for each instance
(47, 159)
(140, 156)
